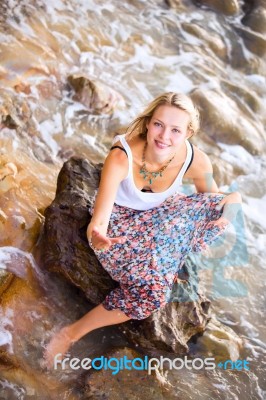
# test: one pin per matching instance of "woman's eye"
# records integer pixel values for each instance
(157, 124)
(176, 131)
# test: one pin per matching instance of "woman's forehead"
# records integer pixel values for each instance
(170, 114)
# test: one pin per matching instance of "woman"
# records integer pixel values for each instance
(143, 226)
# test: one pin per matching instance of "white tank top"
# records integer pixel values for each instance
(128, 195)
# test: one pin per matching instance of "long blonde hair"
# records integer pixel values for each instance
(178, 100)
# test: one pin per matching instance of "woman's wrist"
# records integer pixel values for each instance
(90, 228)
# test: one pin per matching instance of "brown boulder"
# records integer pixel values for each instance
(214, 41)
(65, 249)
(15, 113)
(225, 122)
(241, 60)
(256, 19)
(5, 280)
(246, 98)
(229, 7)
(251, 5)
(170, 329)
(110, 381)
(254, 41)
(173, 3)
(96, 96)
(220, 341)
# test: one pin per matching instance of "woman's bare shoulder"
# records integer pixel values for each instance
(199, 155)
(201, 164)
(118, 158)
(117, 143)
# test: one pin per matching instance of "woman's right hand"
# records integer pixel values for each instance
(100, 241)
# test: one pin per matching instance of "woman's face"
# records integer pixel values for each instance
(167, 129)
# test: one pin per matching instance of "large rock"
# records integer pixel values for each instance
(224, 120)
(220, 341)
(185, 316)
(112, 380)
(214, 41)
(170, 329)
(252, 5)
(256, 19)
(5, 280)
(96, 96)
(228, 7)
(65, 251)
(254, 41)
(15, 113)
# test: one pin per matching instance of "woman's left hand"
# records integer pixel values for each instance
(231, 205)
(101, 242)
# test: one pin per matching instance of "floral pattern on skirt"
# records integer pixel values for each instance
(158, 241)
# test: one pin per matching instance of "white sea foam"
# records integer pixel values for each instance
(255, 210)
(16, 260)
(5, 325)
(237, 156)
(256, 79)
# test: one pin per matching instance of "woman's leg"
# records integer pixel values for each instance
(94, 319)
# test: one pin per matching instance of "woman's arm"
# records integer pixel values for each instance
(114, 170)
(201, 172)
(202, 175)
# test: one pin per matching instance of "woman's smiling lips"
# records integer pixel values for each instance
(161, 145)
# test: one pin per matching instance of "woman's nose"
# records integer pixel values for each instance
(165, 133)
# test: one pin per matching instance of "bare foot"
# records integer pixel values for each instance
(176, 278)
(59, 344)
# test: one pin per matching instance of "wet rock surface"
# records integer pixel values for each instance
(64, 241)
(254, 41)
(256, 19)
(5, 280)
(229, 7)
(215, 42)
(108, 384)
(170, 329)
(16, 114)
(214, 106)
(220, 341)
(96, 96)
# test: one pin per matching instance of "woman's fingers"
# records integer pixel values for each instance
(221, 222)
(102, 242)
(119, 239)
(100, 236)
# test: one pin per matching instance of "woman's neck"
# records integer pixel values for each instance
(155, 161)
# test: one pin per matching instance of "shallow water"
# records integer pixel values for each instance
(137, 49)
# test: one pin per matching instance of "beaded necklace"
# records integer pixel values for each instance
(150, 175)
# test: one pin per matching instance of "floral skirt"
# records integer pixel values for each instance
(158, 241)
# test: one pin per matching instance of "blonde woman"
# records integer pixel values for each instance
(143, 225)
